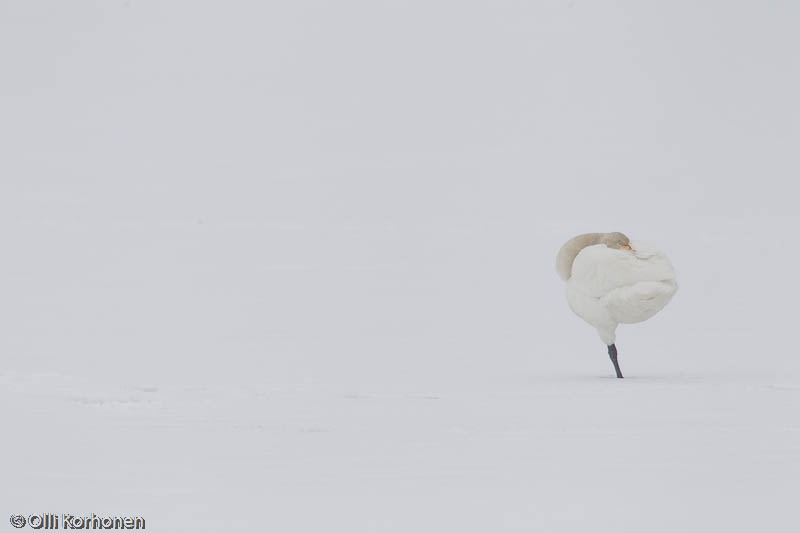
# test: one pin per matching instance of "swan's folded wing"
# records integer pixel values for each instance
(638, 302)
(599, 270)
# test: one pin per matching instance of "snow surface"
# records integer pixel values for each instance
(289, 266)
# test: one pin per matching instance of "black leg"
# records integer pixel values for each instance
(612, 353)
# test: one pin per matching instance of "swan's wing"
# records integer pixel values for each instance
(638, 302)
(599, 270)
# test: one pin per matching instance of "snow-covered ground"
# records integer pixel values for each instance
(659, 452)
(290, 266)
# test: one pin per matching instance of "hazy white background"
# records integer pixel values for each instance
(289, 265)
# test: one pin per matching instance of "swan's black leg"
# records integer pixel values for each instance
(612, 353)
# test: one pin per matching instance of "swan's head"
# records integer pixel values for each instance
(616, 240)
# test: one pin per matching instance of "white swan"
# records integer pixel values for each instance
(612, 281)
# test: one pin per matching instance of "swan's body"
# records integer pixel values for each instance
(612, 281)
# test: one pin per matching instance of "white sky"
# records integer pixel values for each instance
(315, 181)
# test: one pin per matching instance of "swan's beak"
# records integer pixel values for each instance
(626, 247)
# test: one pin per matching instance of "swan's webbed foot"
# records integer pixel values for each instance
(612, 353)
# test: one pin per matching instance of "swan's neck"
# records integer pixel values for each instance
(570, 250)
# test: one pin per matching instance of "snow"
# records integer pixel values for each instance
(666, 452)
(290, 266)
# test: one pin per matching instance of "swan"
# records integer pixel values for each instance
(612, 281)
